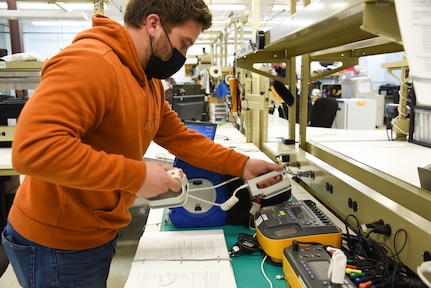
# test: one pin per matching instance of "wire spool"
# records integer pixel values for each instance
(215, 71)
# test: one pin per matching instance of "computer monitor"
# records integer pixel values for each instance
(3, 52)
(189, 107)
(178, 89)
(10, 109)
(205, 128)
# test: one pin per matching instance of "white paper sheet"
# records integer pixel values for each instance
(182, 245)
(179, 259)
(177, 274)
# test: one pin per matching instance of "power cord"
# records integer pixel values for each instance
(374, 224)
(252, 185)
(227, 205)
(232, 201)
(378, 263)
(247, 244)
(382, 229)
(263, 271)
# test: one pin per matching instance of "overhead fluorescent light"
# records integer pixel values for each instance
(227, 7)
(65, 23)
(82, 6)
(37, 14)
(61, 23)
(37, 6)
(53, 6)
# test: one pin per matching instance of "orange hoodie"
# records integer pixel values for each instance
(81, 137)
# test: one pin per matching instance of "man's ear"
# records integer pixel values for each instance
(152, 22)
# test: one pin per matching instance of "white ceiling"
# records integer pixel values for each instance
(271, 12)
(221, 10)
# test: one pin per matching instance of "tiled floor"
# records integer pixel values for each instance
(126, 248)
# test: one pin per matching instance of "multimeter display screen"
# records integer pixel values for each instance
(299, 213)
(320, 268)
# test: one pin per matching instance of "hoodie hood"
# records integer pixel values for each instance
(115, 36)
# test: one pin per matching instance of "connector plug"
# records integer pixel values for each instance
(371, 225)
(255, 206)
(283, 158)
(234, 250)
(427, 256)
(383, 229)
(309, 174)
(246, 244)
(287, 141)
(375, 224)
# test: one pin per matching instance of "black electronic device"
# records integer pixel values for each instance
(3, 52)
(390, 91)
(178, 90)
(278, 225)
(308, 266)
(10, 109)
(193, 89)
(189, 107)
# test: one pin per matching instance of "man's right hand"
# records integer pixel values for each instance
(157, 181)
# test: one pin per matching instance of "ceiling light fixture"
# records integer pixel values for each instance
(62, 23)
(37, 14)
(54, 6)
(227, 7)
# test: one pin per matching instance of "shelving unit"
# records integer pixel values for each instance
(343, 31)
(20, 75)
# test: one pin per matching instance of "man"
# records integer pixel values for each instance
(81, 137)
(279, 69)
(168, 85)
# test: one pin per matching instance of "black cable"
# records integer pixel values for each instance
(246, 244)
(377, 260)
(397, 252)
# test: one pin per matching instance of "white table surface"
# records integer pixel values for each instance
(370, 147)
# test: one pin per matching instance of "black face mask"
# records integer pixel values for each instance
(160, 69)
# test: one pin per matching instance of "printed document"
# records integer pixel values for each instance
(190, 259)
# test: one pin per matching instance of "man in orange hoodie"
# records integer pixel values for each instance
(82, 135)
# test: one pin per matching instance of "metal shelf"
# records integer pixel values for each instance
(20, 75)
(342, 31)
(331, 23)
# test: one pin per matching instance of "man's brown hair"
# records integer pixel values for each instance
(171, 12)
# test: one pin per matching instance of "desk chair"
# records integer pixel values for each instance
(323, 112)
(8, 187)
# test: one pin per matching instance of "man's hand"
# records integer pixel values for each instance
(255, 167)
(157, 181)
